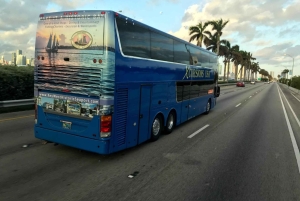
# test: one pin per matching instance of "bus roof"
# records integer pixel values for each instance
(85, 14)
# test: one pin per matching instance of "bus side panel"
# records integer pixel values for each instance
(133, 115)
(125, 117)
(144, 110)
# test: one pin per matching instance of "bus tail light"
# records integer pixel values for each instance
(105, 129)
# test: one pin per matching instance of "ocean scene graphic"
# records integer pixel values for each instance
(73, 56)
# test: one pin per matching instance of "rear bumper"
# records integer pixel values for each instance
(92, 145)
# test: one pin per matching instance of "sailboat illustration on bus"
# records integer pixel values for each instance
(81, 40)
(53, 44)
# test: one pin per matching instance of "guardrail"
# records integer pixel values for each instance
(15, 103)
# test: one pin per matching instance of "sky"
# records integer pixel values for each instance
(268, 29)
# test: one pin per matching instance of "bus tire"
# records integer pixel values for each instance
(156, 128)
(208, 107)
(171, 123)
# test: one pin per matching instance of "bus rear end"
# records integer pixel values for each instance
(74, 79)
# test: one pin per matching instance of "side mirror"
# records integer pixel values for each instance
(217, 91)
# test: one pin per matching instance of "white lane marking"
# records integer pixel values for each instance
(238, 104)
(250, 96)
(295, 146)
(295, 116)
(295, 97)
(198, 131)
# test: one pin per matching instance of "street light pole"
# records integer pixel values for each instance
(292, 67)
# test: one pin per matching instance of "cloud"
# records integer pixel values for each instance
(67, 4)
(260, 27)
(14, 14)
(23, 38)
(157, 2)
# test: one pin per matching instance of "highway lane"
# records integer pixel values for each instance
(16, 129)
(245, 152)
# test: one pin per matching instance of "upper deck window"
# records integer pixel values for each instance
(135, 40)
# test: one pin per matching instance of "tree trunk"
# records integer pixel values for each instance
(248, 79)
(240, 72)
(224, 70)
(218, 44)
(236, 71)
(228, 69)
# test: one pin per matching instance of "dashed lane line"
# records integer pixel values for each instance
(198, 131)
(295, 97)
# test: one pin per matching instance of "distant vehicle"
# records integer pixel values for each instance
(240, 84)
(267, 82)
(252, 82)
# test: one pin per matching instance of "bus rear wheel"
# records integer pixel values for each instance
(208, 107)
(156, 128)
(171, 122)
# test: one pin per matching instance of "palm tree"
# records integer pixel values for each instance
(197, 32)
(218, 26)
(264, 73)
(285, 71)
(243, 63)
(236, 58)
(210, 41)
(249, 61)
(254, 68)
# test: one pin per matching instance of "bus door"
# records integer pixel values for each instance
(145, 102)
(184, 88)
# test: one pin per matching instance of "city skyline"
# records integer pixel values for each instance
(17, 58)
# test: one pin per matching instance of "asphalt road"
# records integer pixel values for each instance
(246, 152)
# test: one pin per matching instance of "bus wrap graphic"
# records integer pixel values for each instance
(82, 40)
(195, 73)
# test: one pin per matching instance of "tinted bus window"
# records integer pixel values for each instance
(180, 53)
(195, 89)
(135, 40)
(183, 91)
(197, 53)
(161, 47)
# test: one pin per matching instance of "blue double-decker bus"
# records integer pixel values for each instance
(105, 82)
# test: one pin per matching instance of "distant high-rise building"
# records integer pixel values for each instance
(28, 61)
(18, 52)
(13, 58)
(21, 60)
(2, 61)
(272, 73)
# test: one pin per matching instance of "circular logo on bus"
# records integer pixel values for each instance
(81, 40)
